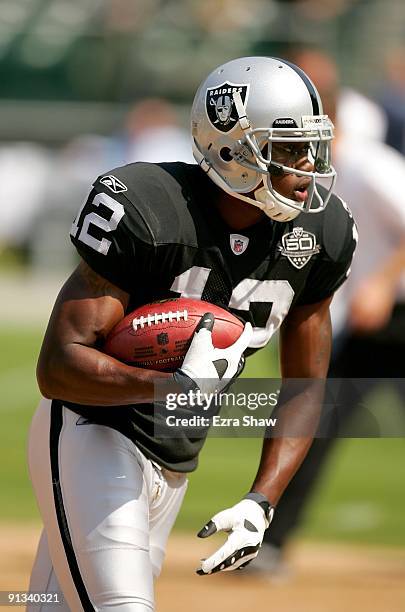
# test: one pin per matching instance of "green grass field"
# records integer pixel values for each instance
(361, 498)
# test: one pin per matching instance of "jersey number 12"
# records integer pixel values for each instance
(277, 293)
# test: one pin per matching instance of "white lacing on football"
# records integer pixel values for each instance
(159, 317)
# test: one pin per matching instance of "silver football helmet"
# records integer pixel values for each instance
(244, 114)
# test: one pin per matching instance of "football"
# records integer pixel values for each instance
(157, 335)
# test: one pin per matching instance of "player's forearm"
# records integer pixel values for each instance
(298, 417)
(281, 458)
(82, 374)
(305, 353)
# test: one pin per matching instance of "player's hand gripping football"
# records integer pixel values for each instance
(211, 369)
(246, 523)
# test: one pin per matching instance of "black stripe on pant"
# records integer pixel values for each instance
(54, 436)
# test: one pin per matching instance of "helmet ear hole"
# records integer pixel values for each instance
(225, 154)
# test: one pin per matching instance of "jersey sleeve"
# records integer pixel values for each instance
(333, 265)
(111, 236)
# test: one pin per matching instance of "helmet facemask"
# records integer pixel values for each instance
(265, 144)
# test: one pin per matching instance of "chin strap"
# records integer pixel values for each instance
(241, 111)
(276, 211)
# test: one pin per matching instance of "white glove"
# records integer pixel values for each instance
(208, 368)
(246, 522)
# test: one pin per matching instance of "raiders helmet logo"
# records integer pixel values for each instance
(220, 105)
(299, 246)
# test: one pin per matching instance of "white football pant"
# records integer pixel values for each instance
(107, 512)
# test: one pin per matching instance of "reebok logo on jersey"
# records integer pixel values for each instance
(113, 184)
(299, 246)
(239, 243)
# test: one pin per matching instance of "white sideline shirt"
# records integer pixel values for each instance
(371, 179)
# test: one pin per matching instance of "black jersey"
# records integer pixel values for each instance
(153, 230)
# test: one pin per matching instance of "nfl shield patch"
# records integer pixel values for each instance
(220, 105)
(239, 243)
(299, 246)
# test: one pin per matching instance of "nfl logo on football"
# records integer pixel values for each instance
(162, 339)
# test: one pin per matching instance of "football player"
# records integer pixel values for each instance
(249, 228)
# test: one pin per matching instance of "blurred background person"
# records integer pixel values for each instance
(152, 133)
(25, 172)
(368, 313)
(75, 166)
(391, 97)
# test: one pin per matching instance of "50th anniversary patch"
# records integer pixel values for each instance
(220, 105)
(299, 246)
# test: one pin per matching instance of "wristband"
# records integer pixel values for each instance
(185, 382)
(263, 502)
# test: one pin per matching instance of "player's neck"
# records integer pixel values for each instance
(236, 213)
